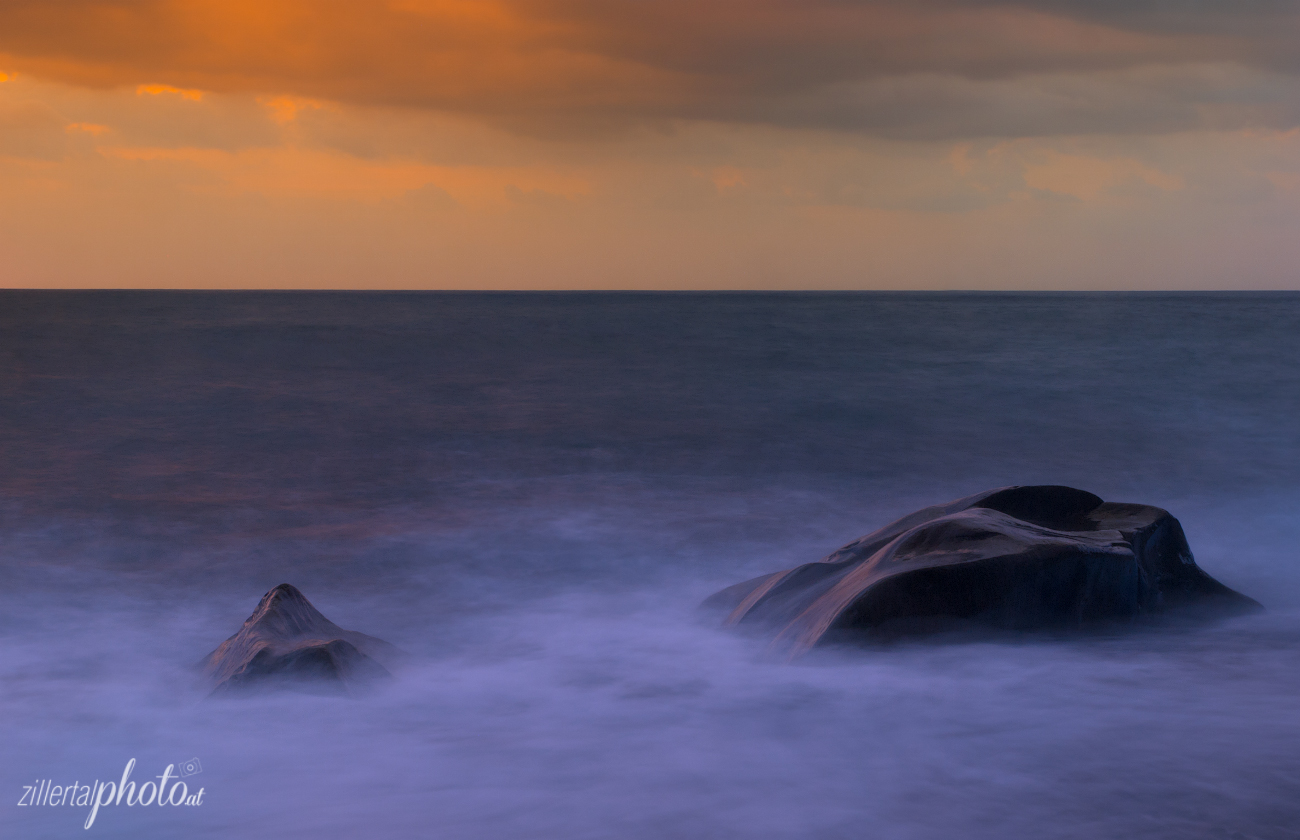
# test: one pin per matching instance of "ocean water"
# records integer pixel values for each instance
(531, 493)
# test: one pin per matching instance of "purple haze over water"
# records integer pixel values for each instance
(531, 492)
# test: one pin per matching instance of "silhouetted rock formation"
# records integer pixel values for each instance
(287, 642)
(1016, 558)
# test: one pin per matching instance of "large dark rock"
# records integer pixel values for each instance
(287, 642)
(1016, 558)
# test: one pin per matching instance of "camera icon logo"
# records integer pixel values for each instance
(189, 768)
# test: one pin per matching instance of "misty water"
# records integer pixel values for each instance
(531, 494)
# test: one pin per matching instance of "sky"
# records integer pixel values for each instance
(650, 144)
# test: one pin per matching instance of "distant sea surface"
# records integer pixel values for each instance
(531, 493)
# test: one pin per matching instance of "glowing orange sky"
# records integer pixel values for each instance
(643, 144)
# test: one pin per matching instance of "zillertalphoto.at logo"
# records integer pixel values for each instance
(96, 795)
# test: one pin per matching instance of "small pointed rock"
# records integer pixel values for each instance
(287, 642)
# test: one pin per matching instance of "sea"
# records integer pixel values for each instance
(531, 493)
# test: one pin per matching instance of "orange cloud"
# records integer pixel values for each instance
(1286, 182)
(155, 90)
(284, 172)
(284, 109)
(1086, 177)
(92, 129)
(727, 177)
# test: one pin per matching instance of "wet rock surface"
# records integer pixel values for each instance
(1014, 558)
(288, 643)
